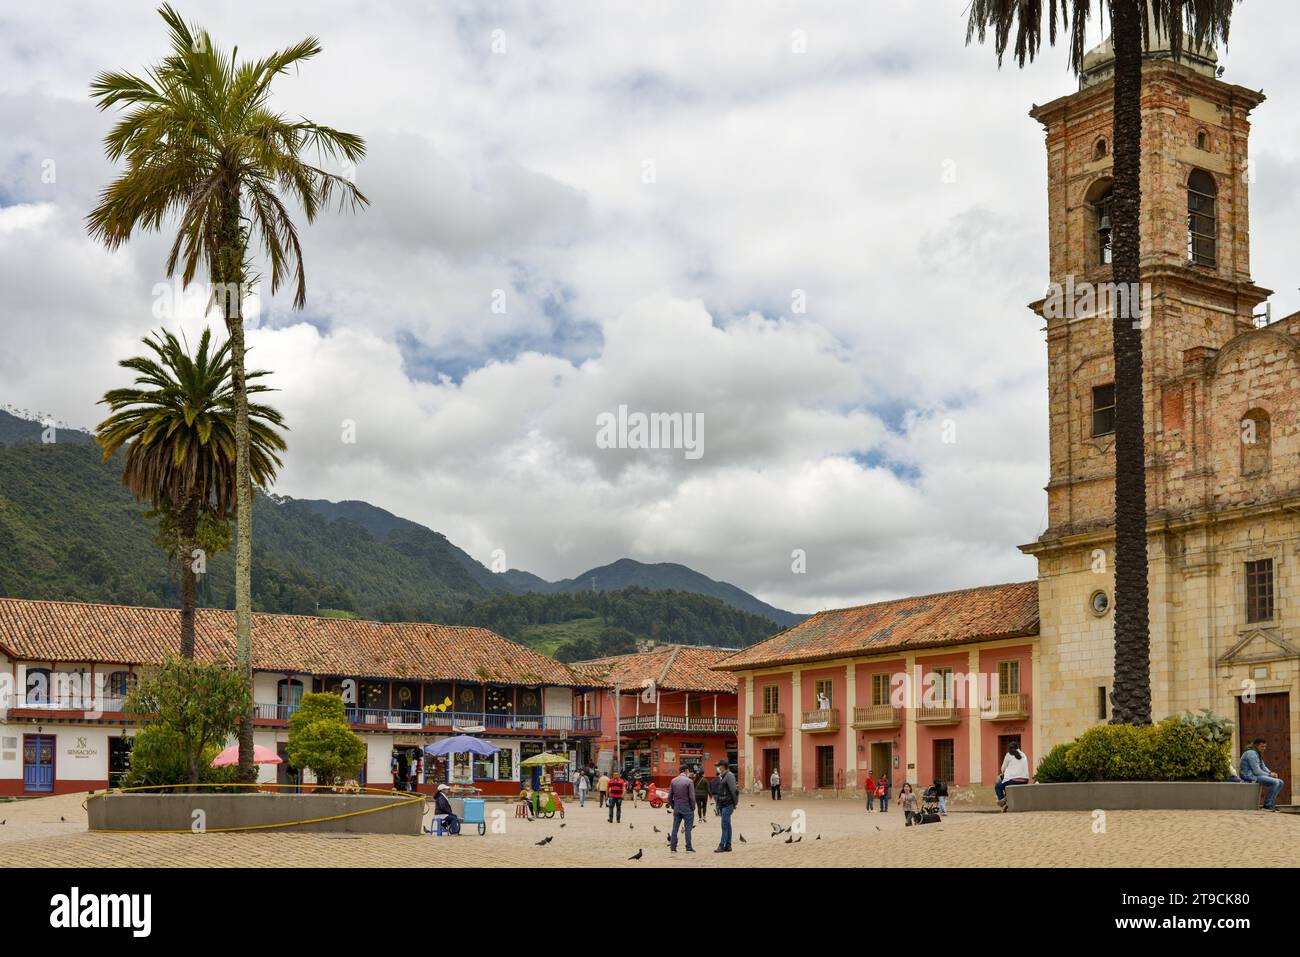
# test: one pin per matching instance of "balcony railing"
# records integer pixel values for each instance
(1009, 707)
(676, 722)
(938, 714)
(877, 716)
(767, 725)
(820, 720)
(448, 720)
(85, 703)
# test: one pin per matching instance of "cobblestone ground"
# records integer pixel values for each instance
(52, 832)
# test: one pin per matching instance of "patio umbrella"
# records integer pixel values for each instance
(261, 755)
(544, 759)
(460, 744)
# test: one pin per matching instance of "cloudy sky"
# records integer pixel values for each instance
(817, 225)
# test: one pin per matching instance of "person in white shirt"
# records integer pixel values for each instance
(583, 786)
(1015, 770)
(775, 782)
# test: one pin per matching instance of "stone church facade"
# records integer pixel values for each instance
(1222, 406)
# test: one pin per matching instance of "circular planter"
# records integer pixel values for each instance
(256, 811)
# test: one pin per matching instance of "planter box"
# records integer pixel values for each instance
(1134, 795)
(175, 812)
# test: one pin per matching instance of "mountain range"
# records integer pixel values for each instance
(69, 530)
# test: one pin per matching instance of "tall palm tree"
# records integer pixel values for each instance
(201, 142)
(1018, 25)
(178, 427)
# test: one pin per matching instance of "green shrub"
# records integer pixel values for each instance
(1188, 751)
(321, 741)
(1053, 768)
(1113, 752)
(158, 758)
(1180, 748)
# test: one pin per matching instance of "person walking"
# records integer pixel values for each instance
(701, 794)
(907, 799)
(882, 792)
(582, 787)
(725, 799)
(615, 799)
(681, 798)
(869, 785)
(775, 783)
(1254, 770)
(1015, 770)
(941, 793)
(602, 788)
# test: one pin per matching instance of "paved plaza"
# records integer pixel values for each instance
(52, 832)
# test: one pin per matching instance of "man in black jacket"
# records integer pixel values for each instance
(442, 806)
(725, 798)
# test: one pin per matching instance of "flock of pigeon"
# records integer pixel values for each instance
(777, 831)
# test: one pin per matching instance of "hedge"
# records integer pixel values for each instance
(1180, 748)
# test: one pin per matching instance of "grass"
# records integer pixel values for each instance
(547, 639)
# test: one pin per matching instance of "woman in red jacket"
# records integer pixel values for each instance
(870, 785)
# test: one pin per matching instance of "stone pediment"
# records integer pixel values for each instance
(1262, 644)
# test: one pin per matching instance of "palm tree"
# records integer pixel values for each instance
(178, 427)
(201, 142)
(1018, 25)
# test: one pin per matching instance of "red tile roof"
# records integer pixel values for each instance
(670, 667)
(973, 614)
(73, 631)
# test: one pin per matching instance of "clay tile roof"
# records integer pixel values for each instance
(973, 614)
(670, 667)
(73, 631)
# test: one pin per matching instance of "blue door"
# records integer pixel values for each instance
(38, 762)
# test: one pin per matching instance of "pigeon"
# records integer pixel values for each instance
(62, 818)
(819, 837)
(637, 855)
(655, 829)
(631, 828)
(876, 827)
(742, 839)
(798, 839)
(561, 825)
(790, 839)
(546, 840)
(5, 821)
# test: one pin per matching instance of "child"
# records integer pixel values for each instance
(908, 800)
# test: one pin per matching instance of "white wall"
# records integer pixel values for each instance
(557, 701)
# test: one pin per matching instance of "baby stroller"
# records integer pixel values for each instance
(929, 807)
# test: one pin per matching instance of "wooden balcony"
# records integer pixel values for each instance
(677, 722)
(938, 714)
(820, 720)
(876, 716)
(1008, 707)
(766, 725)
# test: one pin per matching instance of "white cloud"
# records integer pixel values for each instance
(776, 171)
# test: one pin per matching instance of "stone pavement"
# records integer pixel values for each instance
(52, 832)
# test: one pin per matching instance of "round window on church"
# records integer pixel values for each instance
(1099, 603)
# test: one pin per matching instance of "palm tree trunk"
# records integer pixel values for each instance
(231, 267)
(189, 523)
(1131, 696)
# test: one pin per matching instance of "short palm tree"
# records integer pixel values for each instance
(200, 142)
(1018, 25)
(177, 425)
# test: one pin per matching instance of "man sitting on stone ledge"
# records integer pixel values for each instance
(1254, 770)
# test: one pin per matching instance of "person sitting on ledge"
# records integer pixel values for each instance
(1254, 770)
(1015, 770)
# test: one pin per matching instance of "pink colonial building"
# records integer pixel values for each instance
(918, 688)
(660, 709)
